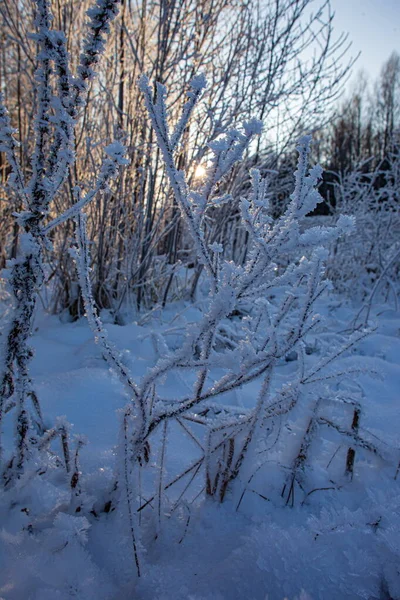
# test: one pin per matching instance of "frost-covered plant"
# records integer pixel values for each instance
(366, 263)
(60, 95)
(255, 316)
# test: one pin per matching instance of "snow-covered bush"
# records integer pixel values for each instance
(366, 262)
(59, 97)
(254, 318)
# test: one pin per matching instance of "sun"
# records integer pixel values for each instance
(200, 172)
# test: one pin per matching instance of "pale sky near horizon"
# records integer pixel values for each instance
(374, 28)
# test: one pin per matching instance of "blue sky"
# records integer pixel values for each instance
(374, 28)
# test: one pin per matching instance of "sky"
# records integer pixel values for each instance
(374, 28)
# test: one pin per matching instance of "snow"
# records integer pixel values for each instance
(338, 544)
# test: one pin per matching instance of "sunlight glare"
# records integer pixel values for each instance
(200, 171)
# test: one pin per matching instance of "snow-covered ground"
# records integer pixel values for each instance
(342, 542)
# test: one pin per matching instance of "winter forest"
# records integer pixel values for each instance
(199, 318)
